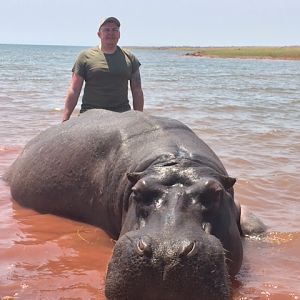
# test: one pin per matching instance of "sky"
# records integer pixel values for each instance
(153, 22)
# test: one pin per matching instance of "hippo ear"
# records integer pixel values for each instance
(228, 182)
(134, 177)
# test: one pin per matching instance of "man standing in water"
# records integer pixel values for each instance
(106, 70)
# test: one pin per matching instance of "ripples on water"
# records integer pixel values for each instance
(248, 112)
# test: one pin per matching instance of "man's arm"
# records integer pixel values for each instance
(72, 95)
(137, 92)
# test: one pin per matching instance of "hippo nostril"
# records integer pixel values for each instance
(188, 250)
(143, 248)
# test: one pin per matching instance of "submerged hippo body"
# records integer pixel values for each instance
(150, 183)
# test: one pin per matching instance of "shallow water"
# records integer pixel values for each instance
(248, 112)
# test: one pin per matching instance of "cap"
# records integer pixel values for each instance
(109, 19)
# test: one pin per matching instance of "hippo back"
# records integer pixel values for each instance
(78, 168)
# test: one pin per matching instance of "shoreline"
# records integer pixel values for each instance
(271, 53)
(242, 57)
(243, 52)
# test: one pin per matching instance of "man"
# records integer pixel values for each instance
(106, 70)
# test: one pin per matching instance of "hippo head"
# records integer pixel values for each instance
(180, 237)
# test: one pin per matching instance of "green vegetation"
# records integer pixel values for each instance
(292, 52)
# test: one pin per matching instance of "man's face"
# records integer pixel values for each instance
(109, 34)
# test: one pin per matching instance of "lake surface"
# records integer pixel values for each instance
(247, 111)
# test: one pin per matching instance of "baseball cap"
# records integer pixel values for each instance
(109, 19)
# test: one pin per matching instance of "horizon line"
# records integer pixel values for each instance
(157, 47)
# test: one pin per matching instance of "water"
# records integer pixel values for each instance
(248, 112)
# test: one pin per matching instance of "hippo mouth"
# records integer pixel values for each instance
(147, 268)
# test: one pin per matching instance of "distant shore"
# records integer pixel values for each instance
(282, 53)
(255, 52)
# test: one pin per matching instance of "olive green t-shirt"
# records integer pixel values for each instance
(106, 78)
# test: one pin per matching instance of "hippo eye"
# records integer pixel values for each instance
(144, 202)
(210, 199)
(144, 197)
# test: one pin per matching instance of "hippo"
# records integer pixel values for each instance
(152, 185)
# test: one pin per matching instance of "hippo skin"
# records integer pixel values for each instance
(153, 186)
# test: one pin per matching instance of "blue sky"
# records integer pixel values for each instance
(153, 23)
